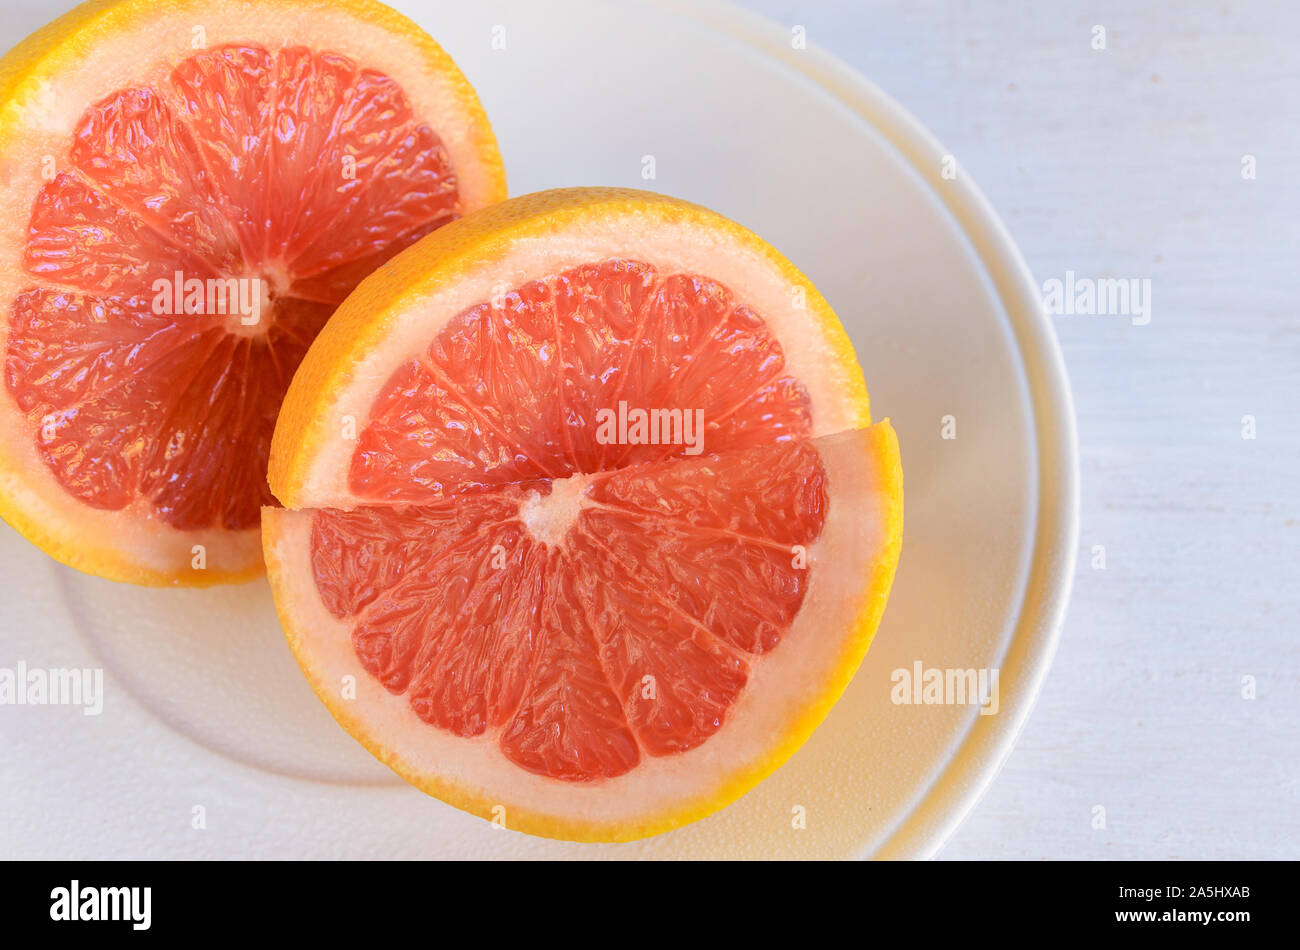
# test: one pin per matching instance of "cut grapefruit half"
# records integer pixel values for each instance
(585, 526)
(190, 189)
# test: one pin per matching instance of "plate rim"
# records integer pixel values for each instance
(955, 789)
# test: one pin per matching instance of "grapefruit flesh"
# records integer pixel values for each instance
(582, 636)
(512, 393)
(189, 238)
(633, 628)
(214, 176)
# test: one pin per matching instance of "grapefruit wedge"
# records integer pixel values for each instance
(585, 525)
(190, 189)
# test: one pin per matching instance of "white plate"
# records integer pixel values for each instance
(206, 713)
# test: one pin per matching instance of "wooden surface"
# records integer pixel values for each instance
(1127, 162)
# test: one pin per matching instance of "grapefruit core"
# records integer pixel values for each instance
(191, 188)
(576, 635)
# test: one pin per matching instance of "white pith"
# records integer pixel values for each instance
(548, 518)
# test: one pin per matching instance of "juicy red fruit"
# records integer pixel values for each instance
(509, 394)
(634, 631)
(295, 167)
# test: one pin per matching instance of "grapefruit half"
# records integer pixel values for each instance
(190, 189)
(524, 600)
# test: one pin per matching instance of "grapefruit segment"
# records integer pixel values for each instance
(645, 529)
(675, 677)
(131, 146)
(477, 675)
(570, 723)
(182, 227)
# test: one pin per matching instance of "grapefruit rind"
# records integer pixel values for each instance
(780, 709)
(46, 82)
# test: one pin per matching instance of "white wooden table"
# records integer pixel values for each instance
(1128, 162)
